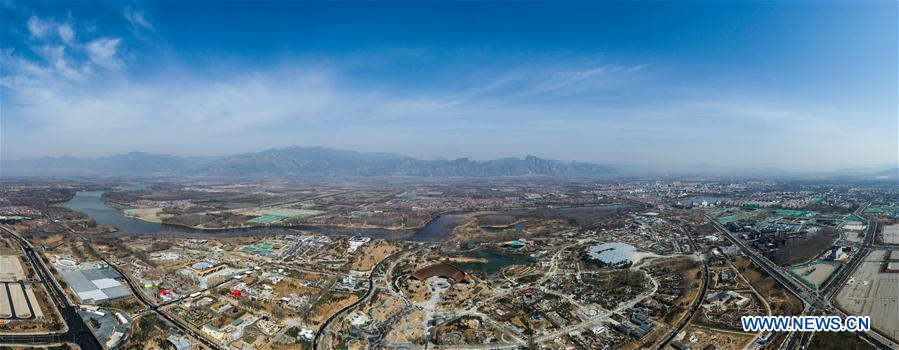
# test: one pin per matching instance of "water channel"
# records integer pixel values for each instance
(438, 230)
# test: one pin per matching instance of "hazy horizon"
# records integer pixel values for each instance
(796, 86)
(625, 167)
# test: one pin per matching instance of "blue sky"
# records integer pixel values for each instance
(795, 85)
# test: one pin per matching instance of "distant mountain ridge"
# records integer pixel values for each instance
(296, 160)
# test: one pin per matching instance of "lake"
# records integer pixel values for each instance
(441, 228)
(437, 230)
(91, 204)
(495, 261)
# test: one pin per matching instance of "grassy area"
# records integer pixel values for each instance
(735, 217)
(267, 219)
(528, 279)
(853, 217)
(789, 213)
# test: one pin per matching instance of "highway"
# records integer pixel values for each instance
(845, 272)
(78, 332)
(816, 301)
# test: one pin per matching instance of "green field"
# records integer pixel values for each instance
(853, 217)
(736, 217)
(793, 214)
(267, 219)
(262, 249)
(882, 209)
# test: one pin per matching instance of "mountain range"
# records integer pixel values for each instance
(298, 160)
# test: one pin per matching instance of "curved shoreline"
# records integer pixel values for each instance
(429, 231)
(347, 227)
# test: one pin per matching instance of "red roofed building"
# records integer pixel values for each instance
(441, 269)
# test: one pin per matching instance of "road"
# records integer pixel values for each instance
(138, 293)
(602, 317)
(78, 331)
(316, 342)
(699, 299)
(816, 301)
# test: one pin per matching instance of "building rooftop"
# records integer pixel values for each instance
(441, 269)
(201, 265)
(179, 342)
(611, 253)
(96, 286)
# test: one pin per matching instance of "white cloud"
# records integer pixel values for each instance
(56, 57)
(66, 33)
(137, 18)
(573, 81)
(530, 82)
(60, 58)
(103, 52)
(68, 109)
(39, 28)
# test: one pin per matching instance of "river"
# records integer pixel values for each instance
(89, 203)
(437, 230)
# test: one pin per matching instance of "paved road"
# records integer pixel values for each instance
(815, 301)
(697, 303)
(316, 342)
(78, 332)
(138, 293)
(602, 317)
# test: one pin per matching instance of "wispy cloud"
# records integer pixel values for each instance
(66, 33)
(39, 28)
(103, 52)
(582, 79)
(257, 108)
(61, 55)
(137, 18)
(74, 89)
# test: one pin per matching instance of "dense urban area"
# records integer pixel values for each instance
(400, 263)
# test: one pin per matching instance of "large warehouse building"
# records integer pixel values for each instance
(94, 286)
(613, 255)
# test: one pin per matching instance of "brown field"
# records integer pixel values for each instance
(7, 247)
(329, 305)
(838, 341)
(692, 275)
(697, 337)
(289, 285)
(782, 301)
(372, 253)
